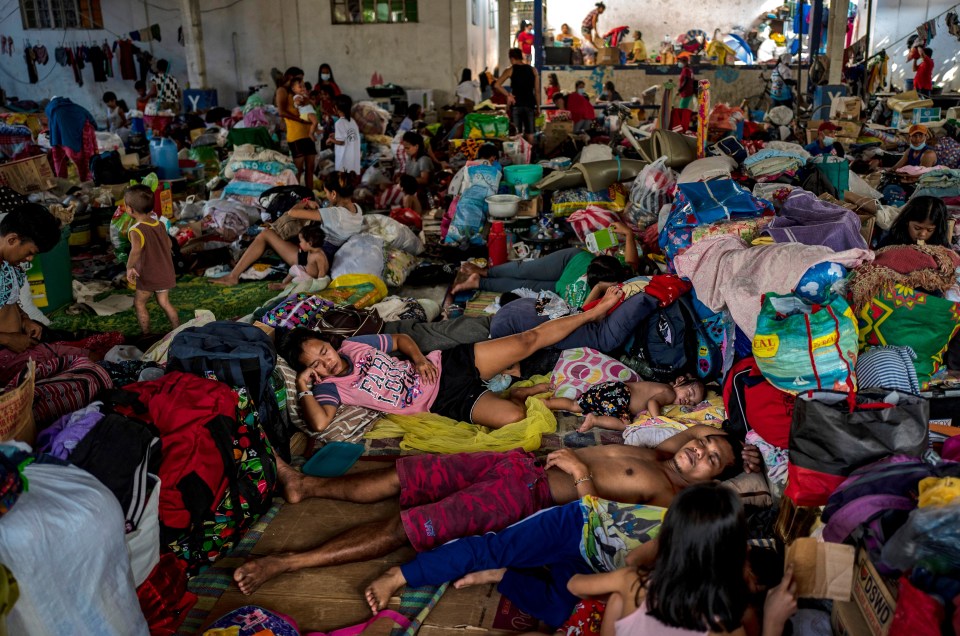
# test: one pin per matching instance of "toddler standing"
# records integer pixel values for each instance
(346, 137)
(150, 265)
(305, 107)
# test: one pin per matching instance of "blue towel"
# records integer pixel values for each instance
(66, 123)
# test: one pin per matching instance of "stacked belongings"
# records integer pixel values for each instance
(772, 163)
(253, 170)
(942, 183)
(700, 206)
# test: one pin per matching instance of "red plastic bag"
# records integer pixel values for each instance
(918, 613)
(408, 217)
(164, 598)
(590, 220)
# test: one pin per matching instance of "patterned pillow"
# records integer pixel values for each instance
(579, 369)
(349, 424)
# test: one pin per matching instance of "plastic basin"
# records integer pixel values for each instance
(525, 173)
(502, 206)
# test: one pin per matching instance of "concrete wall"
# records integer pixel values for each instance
(656, 18)
(729, 84)
(242, 43)
(896, 19)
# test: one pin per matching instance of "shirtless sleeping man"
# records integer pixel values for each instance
(444, 497)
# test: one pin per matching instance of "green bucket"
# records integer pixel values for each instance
(50, 278)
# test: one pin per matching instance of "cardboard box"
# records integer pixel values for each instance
(875, 596)
(925, 115)
(555, 133)
(530, 207)
(33, 174)
(847, 620)
(608, 56)
(848, 129)
(267, 329)
(845, 108)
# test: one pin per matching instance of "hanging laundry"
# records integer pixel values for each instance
(98, 62)
(180, 35)
(75, 65)
(953, 24)
(145, 59)
(30, 57)
(135, 36)
(927, 31)
(108, 57)
(128, 68)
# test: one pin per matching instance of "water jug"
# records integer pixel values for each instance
(497, 244)
(163, 155)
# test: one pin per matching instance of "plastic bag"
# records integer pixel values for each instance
(361, 254)
(931, 537)
(804, 347)
(120, 226)
(484, 126)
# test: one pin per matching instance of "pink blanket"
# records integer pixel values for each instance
(727, 274)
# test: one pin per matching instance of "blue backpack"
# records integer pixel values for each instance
(239, 355)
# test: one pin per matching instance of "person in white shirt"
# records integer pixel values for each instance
(468, 88)
(345, 138)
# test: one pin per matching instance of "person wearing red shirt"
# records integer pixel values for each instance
(581, 110)
(525, 40)
(923, 65)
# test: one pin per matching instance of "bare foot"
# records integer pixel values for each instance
(588, 422)
(480, 578)
(252, 574)
(536, 389)
(291, 481)
(469, 283)
(229, 280)
(379, 592)
(469, 268)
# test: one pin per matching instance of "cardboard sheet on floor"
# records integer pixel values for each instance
(328, 598)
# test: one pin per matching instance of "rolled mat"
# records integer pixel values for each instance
(600, 175)
(678, 149)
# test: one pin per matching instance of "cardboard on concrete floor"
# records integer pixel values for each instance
(323, 599)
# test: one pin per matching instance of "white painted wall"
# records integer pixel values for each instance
(656, 18)
(896, 19)
(242, 43)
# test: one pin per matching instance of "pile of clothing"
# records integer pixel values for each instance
(253, 170)
(776, 160)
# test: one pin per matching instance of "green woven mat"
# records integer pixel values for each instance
(477, 304)
(210, 584)
(191, 293)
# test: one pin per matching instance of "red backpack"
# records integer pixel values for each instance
(752, 403)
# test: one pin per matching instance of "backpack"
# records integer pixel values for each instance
(280, 199)
(875, 500)
(666, 345)
(236, 354)
(217, 471)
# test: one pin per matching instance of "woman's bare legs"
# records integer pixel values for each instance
(309, 162)
(266, 238)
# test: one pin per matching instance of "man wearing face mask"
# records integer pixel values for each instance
(919, 153)
(581, 110)
(825, 143)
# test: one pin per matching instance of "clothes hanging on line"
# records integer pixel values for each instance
(31, 60)
(125, 51)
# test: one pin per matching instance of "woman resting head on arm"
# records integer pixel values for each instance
(698, 581)
(922, 221)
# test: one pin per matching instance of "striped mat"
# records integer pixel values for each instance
(210, 584)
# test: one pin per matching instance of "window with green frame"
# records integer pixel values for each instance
(373, 11)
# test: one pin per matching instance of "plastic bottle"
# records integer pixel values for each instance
(497, 244)
(163, 155)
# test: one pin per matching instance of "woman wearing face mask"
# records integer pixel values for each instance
(919, 153)
(325, 78)
(581, 110)
(460, 383)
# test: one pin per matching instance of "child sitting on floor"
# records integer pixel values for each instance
(150, 265)
(410, 199)
(613, 405)
(311, 259)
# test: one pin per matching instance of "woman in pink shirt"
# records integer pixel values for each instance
(697, 585)
(461, 383)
